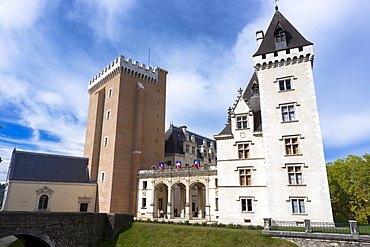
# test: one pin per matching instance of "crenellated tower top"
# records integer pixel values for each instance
(121, 65)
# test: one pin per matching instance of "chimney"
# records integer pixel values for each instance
(259, 37)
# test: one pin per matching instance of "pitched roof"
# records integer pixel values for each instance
(31, 166)
(293, 37)
(175, 137)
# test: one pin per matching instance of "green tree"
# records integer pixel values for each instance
(349, 184)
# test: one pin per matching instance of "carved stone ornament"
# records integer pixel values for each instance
(44, 190)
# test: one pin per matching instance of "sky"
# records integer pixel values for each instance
(49, 50)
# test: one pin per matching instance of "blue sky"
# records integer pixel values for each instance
(49, 51)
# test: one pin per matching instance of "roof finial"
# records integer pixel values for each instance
(276, 7)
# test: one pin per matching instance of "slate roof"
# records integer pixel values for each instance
(175, 137)
(253, 102)
(31, 166)
(294, 38)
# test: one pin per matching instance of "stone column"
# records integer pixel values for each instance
(187, 203)
(169, 204)
(307, 225)
(266, 224)
(354, 227)
(207, 207)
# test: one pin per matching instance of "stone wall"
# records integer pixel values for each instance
(62, 229)
(311, 242)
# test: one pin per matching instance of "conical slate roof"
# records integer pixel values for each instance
(293, 37)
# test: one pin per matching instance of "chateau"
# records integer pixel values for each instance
(268, 161)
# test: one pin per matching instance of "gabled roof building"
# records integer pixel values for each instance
(48, 182)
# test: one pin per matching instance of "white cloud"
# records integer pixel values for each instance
(103, 16)
(346, 129)
(20, 13)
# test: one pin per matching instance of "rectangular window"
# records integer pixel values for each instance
(105, 141)
(287, 113)
(216, 182)
(245, 177)
(246, 205)
(295, 175)
(298, 206)
(186, 148)
(285, 84)
(242, 122)
(145, 185)
(243, 150)
(83, 207)
(143, 202)
(216, 204)
(107, 116)
(110, 91)
(291, 146)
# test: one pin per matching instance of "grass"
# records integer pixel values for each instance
(149, 234)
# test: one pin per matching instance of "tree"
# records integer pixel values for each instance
(349, 184)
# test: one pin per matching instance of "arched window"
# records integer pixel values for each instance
(43, 202)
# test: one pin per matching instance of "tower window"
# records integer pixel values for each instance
(246, 205)
(243, 150)
(255, 89)
(110, 91)
(295, 175)
(108, 114)
(285, 84)
(287, 113)
(245, 177)
(102, 177)
(280, 37)
(291, 146)
(105, 141)
(298, 206)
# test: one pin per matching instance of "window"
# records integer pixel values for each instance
(102, 177)
(285, 84)
(186, 148)
(108, 115)
(145, 185)
(291, 146)
(216, 202)
(43, 202)
(105, 141)
(243, 150)
(287, 113)
(241, 122)
(298, 206)
(245, 176)
(109, 94)
(280, 38)
(143, 202)
(216, 182)
(295, 175)
(83, 207)
(246, 205)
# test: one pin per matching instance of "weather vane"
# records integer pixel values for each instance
(276, 7)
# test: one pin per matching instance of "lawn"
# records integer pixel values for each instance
(150, 234)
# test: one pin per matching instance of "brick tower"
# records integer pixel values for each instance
(125, 130)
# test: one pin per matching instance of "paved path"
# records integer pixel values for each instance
(5, 242)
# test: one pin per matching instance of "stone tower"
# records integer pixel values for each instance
(270, 154)
(125, 130)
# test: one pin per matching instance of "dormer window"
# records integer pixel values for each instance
(280, 37)
(255, 89)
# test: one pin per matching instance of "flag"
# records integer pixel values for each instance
(178, 164)
(196, 163)
(161, 165)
